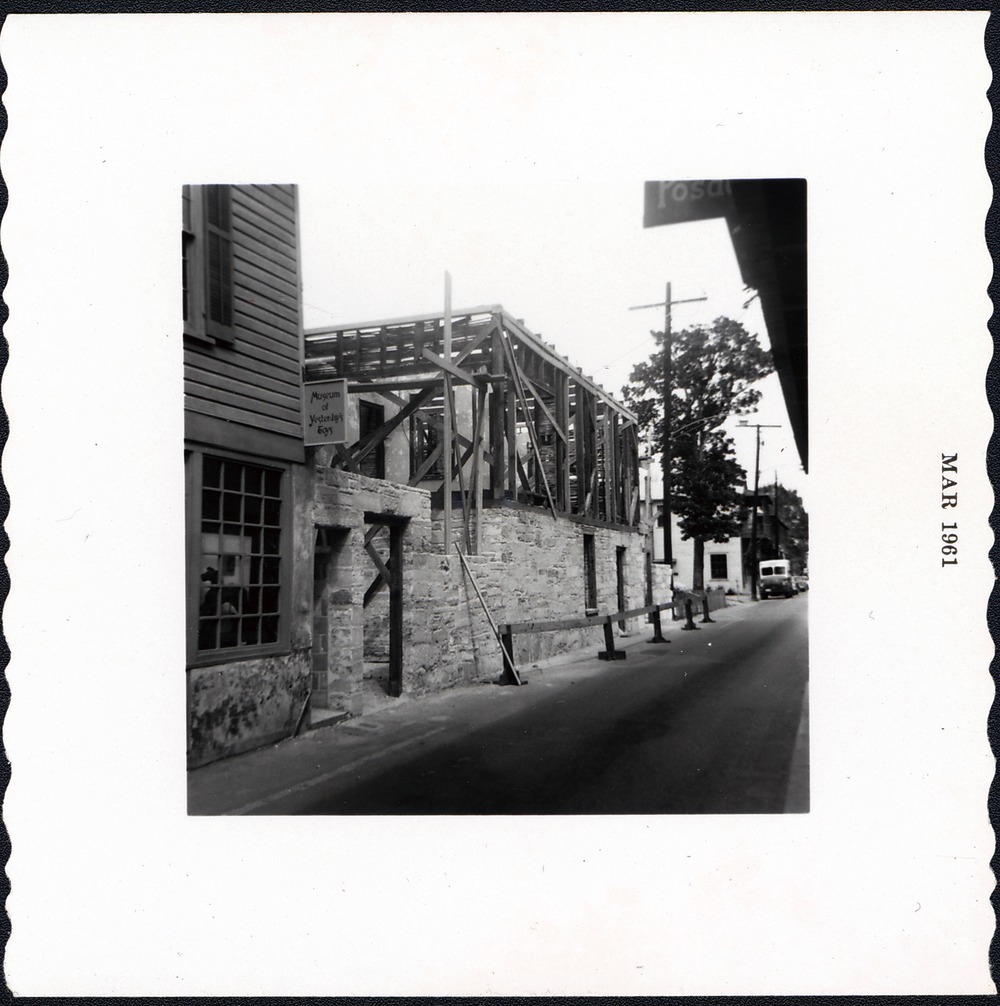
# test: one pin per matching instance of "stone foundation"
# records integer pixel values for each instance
(242, 705)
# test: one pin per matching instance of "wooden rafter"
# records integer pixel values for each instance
(586, 467)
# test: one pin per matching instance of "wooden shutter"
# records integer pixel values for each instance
(218, 264)
(187, 236)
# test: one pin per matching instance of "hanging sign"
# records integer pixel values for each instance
(677, 201)
(324, 412)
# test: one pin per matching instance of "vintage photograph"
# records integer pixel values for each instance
(497, 504)
(397, 524)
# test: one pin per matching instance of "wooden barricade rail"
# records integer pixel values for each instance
(507, 631)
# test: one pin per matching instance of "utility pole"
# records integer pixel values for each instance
(777, 518)
(756, 489)
(668, 380)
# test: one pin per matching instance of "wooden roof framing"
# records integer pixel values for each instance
(352, 350)
(542, 433)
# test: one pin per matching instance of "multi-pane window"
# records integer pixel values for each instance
(240, 548)
(719, 566)
(207, 262)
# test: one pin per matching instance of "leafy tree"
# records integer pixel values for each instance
(788, 506)
(715, 368)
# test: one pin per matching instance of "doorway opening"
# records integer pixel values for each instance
(383, 605)
(331, 624)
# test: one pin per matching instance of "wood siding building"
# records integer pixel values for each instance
(242, 318)
(247, 488)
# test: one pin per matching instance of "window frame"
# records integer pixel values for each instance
(373, 464)
(711, 563)
(196, 231)
(194, 458)
(424, 440)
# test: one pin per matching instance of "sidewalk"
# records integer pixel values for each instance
(245, 782)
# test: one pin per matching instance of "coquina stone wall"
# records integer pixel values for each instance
(530, 566)
(540, 562)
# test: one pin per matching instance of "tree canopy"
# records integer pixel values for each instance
(715, 370)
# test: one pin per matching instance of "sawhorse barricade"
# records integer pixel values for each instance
(610, 652)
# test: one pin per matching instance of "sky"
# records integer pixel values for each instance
(569, 257)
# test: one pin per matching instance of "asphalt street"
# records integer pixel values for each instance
(713, 722)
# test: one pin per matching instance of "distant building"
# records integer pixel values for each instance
(726, 563)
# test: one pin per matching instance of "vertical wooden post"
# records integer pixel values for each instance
(461, 470)
(447, 434)
(562, 447)
(689, 623)
(573, 403)
(510, 675)
(668, 556)
(593, 454)
(582, 450)
(609, 652)
(497, 420)
(609, 466)
(510, 422)
(477, 467)
(658, 629)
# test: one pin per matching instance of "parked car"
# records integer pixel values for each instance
(801, 583)
(775, 579)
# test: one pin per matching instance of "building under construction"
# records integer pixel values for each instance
(499, 447)
(478, 480)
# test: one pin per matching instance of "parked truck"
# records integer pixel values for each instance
(776, 578)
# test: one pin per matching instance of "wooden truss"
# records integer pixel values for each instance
(540, 432)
